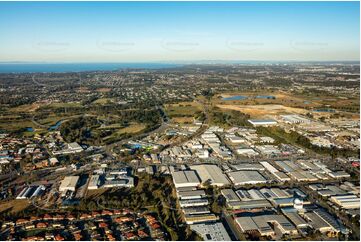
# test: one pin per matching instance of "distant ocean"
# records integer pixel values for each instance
(78, 67)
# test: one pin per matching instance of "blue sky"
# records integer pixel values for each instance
(178, 31)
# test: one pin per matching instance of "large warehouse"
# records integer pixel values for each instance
(211, 231)
(246, 177)
(188, 178)
(211, 173)
(262, 122)
(262, 223)
(69, 183)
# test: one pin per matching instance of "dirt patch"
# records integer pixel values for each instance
(133, 128)
(104, 89)
(262, 110)
(14, 205)
(182, 120)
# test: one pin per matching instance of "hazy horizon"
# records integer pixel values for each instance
(144, 32)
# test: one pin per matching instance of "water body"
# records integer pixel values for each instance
(325, 110)
(55, 126)
(234, 98)
(265, 97)
(78, 67)
(29, 129)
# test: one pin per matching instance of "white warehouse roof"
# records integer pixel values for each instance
(211, 173)
(69, 183)
(246, 177)
(185, 178)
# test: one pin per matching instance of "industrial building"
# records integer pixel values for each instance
(186, 178)
(302, 176)
(249, 195)
(321, 221)
(232, 199)
(200, 218)
(262, 122)
(69, 183)
(94, 182)
(193, 202)
(193, 194)
(196, 210)
(71, 148)
(248, 167)
(349, 201)
(31, 192)
(278, 174)
(294, 119)
(262, 224)
(249, 152)
(339, 174)
(211, 231)
(246, 177)
(212, 174)
(268, 150)
(119, 182)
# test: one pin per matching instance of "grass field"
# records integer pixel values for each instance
(63, 105)
(15, 124)
(104, 101)
(26, 108)
(182, 120)
(182, 109)
(131, 129)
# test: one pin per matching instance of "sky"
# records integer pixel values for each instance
(179, 31)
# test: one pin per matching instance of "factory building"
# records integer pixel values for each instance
(193, 202)
(278, 174)
(339, 174)
(193, 194)
(349, 201)
(31, 192)
(248, 167)
(94, 182)
(196, 210)
(322, 222)
(211, 231)
(69, 183)
(232, 199)
(246, 177)
(249, 152)
(294, 119)
(200, 218)
(119, 182)
(268, 150)
(262, 122)
(261, 224)
(187, 178)
(212, 174)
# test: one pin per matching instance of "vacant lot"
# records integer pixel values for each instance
(14, 206)
(131, 129)
(261, 110)
(104, 100)
(182, 109)
(182, 120)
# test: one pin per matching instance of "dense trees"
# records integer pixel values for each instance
(86, 129)
(228, 118)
